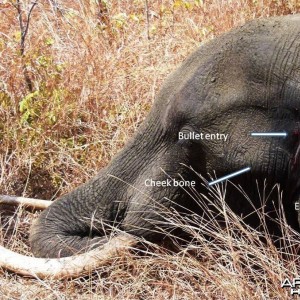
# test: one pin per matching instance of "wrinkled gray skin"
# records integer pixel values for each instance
(247, 80)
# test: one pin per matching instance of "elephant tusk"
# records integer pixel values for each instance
(57, 268)
(66, 267)
(27, 202)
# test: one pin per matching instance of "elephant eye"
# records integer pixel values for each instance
(187, 135)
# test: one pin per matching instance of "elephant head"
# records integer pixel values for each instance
(245, 81)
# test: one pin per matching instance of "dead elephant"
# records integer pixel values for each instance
(245, 81)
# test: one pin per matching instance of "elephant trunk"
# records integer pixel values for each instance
(66, 267)
(86, 217)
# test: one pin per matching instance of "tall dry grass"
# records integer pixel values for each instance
(94, 69)
(216, 262)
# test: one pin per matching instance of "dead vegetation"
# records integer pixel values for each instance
(231, 262)
(72, 94)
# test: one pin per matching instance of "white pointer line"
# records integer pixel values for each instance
(283, 134)
(229, 176)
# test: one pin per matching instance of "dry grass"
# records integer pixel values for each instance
(94, 69)
(231, 262)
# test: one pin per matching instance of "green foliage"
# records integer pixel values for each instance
(28, 107)
(187, 4)
(45, 104)
(2, 44)
(49, 41)
(199, 2)
(17, 36)
(120, 20)
(5, 101)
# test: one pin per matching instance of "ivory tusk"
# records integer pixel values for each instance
(28, 202)
(66, 267)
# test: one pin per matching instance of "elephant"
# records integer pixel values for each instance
(244, 81)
